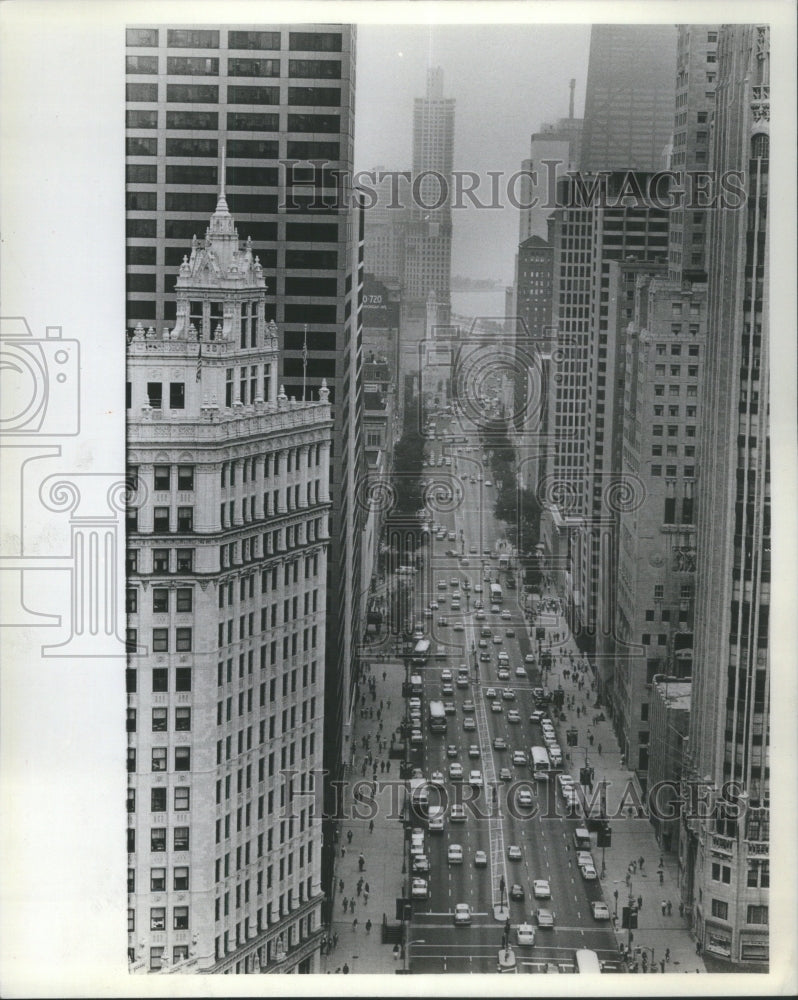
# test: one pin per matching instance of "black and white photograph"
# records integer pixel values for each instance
(386, 463)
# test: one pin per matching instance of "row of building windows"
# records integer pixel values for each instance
(209, 38)
(309, 69)
(181, 839)
(754, 914)
(160, 719)
(160, 676)
(237, 121)
(180, 920)
(180, 879)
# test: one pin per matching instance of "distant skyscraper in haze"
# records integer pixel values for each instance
(725, 856)
(629, 98)
(428, 252)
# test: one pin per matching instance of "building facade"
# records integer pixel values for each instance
(629, 97)
(272, 107)
(724, 857)
(228, 534)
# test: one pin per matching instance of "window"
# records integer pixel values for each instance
(180, 918)
(159, 758)
(160, 522)
(190, 66)
(160, 560)
(253, 67)
(185, 518)
(182, 798)
(721, 873)
(158, 800)
(131, 720)
(159, 720)
(157, 918)
(131, 800)
(156, 957)
(160, 641)
(183, 679)
(181, 839)
(160, 600)
(185, 560)
(155, 395)
(756, 915)
(720, 909)
(182, 720)
(181, 878)
(158, 840)
(185, 477)
(182, 758)
(183, 640)
(177, 395)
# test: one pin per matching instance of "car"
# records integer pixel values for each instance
(505, 615)
(443, 622)
(514, 852)
(514, 716)
(457, 814)
(480, 859)
(472, 550)
(484, 657)
(473, 750)
(555, 753)
(428, 612)
(495, 706)
(600, 910)
(508, 694)
(483, 643)
(548, 730)
(443, 598)
(509, 633)
(462, 914)
(541, 889)
(441, 585)
(421, 863)
(588, 873)
(480, 616)
(456, 606)
(525, 798)
(446, 675)
(454, 581)
(456, 771)
(414, 703)
(490, 693)
(468, 705)
(504, 658)
(499, 743)
(520, 671)
(529, 658)
(536, 716)
(517, 891)
(503, 674)
(462, 680)
(475, 779)
(451, 536)
(525, 934)
(466, 584)
(539, 694)
(458, 627)
(519, 758)
(478, 590)
(584, 858)
(416, 737)
(449, 708)
(447, 688)
(494, 610)
(419, 889)
(505, 774)
(488, 482)
(565, 780)
(436, 778)
(451, 750)
(473, 479)
(510, 583)
(469, 724)
(545, 917)
(455, 854)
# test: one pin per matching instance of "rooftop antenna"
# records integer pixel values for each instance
(572, 86)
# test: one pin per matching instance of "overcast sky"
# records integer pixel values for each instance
(507, 80)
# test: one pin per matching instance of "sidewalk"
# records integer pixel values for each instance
(632, 838)
(383, 849)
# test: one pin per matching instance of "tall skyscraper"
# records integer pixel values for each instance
(227, 563)
(725, 857)
(428, 250)
(696, 79)
(271, 98)
(629, 97)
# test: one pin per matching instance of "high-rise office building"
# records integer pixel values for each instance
(696, 78)
(724, 857)
(629, 97)
(227, 563)
(277, 102)
(428, 248)
(384, 248)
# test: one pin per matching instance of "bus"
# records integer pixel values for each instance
(587, 961)
(437, 717)
(496, 595)
(421, 652)
(539, 762)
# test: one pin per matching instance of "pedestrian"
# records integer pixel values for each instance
(382, 767)
(361, 861)
(366, 887)
(641, 861)
(697, 949)
(634, 867)
(343, 851)
(661, 862)
(359, 888)
(335, 940)
(346, 969)
(345, 904)
(368, 927)
(667, 954)
(599, 749)
(670, 907)
(340, 885)
(395, 952)
(388, 766)
(349, 836)
(338, 969)
(384, 675)
(365, 896)
(371, 826)
(662, 964)
(661, 877)
(639, 902)
(354, 924)
(664, 906)
(681, 909)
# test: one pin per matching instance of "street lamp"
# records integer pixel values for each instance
(407, 951)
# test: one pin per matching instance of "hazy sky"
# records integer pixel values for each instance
(507, 80)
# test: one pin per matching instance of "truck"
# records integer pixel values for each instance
(421, 652)
(496, 595)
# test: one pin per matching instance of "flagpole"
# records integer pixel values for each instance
(304, 362)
